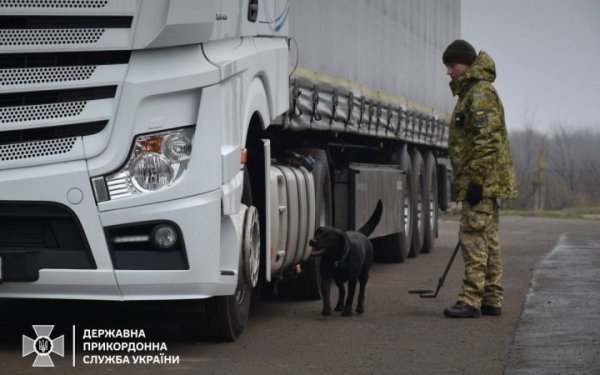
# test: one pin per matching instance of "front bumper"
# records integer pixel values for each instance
(208, 273)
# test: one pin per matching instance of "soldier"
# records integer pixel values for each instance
(483, 172)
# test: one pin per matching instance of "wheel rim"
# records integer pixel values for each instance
(420, 204)
(251, 246)
(240, 293)
(407, 212)
(432, 207)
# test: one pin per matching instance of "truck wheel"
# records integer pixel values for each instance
(394, 248)
(418, 182)
(408, 207)
(225, 317)
(430, 189)
(444, 182)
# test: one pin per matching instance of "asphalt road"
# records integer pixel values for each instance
(398, 334)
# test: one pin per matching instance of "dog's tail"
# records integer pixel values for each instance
(371, 224)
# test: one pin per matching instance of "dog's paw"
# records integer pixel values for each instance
(347, 313)
(326, 312)
(339, 307)
(360, 310)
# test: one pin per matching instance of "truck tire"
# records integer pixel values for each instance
(430, 189)
(408, 207)
(394, 248)
(444, 188)
(225, 317)
(419, 198)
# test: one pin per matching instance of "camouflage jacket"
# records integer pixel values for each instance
(478, 143)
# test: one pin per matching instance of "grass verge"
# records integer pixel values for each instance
(587, 213)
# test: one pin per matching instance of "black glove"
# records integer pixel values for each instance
(474, 194)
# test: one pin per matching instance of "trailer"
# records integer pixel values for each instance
(184, 150)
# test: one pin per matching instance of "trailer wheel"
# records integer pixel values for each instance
(408, 207)
(419, 200)
(444, 189)
(430, 190)
(394, 248)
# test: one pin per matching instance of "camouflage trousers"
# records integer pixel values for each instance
(478, 236)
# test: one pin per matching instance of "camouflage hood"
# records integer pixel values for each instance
(483, 69)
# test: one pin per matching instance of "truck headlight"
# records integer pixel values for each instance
(151, 171)
(156, 161)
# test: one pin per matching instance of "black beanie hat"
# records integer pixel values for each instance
(459, 52)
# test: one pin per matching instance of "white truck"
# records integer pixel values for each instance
(155, 150)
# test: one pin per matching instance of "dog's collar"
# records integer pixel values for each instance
(346, 252)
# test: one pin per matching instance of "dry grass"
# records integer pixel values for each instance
(587, 213)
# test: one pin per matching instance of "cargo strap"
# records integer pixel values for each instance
(316, 116)
(350, 109)
(334, 105)
(400, 118)
(295, 110)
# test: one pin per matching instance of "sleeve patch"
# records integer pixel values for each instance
(481, 118)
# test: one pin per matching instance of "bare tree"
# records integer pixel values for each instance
(526, 146)
(587, 156)
(573, 166)
(561, 159)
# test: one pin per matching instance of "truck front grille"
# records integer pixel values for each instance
(36, 149)
(51, 141)
(49, 37)
(63, 22)
(41, 112)
(61, 65)
(56, 30)
(56, 96)
(69, 4)
(10, 77)
(79, 59)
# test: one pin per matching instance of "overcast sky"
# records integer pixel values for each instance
(547, 55)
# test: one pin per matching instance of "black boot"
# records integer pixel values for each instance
(491, 310)
(462, 310)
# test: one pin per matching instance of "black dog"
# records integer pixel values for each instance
(345, 256)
